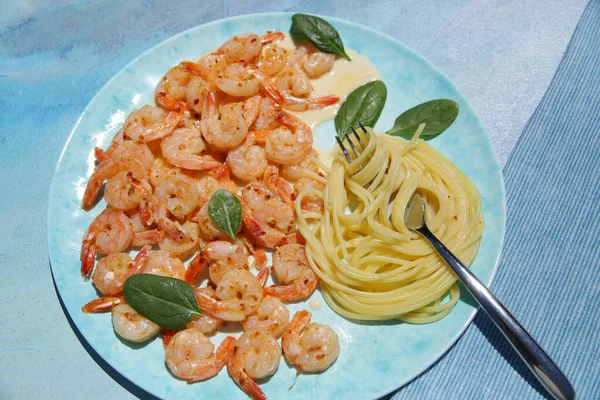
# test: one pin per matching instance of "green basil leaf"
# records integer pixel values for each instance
(320, 33)
(364, 104)
(225, 210)
(168, 302)
(437, 115)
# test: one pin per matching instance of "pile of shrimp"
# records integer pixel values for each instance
(221, 122)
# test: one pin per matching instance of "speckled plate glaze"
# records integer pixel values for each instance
(375, 358)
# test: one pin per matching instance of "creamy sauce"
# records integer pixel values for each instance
(315, 304)
(344, 77)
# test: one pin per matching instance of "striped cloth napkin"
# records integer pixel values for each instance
(549, 275)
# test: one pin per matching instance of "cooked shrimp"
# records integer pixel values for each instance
(113, 270)
(205, 323)
(272, 316)
(150, 236)
(246, 47)
(274, 217)
(240, 295)
(127, 156)
(161, 169)
(285, 147)
(103, 304)
(312, 347)
(186, 245)
(249, 161)
(196, 92)
(283, 189)
(131, 325)
(141, 234)
(266, 121)
(102, 155)
(214, 63)
(172, 87)
(256, 355)
(272, 59)
(126, 190)
(292, 270)
(293, 81)
(220, 257)
(189, 355)
(109, 232)
(276, 220)
(150, 123)
(218, 178)
(251, 109)
(311, 202)
(289, 101)
(241, 48)
(318, 63)
(306, 166)
(227, 130)
(128, 150)
(178, 193)
(185, 148)
(237, 80)
(164, 264)
(299, 55)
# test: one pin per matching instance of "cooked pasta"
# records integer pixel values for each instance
(370, 265)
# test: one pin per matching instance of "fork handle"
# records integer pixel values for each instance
(542, 366)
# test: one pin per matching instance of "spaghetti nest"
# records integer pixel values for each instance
(371, 266)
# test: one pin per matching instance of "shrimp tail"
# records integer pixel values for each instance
(198, 70)
(271, 36)
(168, 125)
(167, 336)
(100, 154)
(220, 173)
(103, 171)
(263, 274)
(91, 193)
(251, 224)
(196, 267)
(300, 290)
(140, 260)
(151, 236)
(88, 256)
(167, 102)
(246, 383)
(323, 101)
(146, 213)
(260, 256)
(283, 189)
(295, 237)
(299, 321)
(103, 304)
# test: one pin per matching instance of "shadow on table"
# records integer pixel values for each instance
(485, 326)
(116, 376)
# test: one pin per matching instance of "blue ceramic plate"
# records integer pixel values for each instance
(375, 358)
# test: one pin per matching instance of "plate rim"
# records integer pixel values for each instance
(333, 20)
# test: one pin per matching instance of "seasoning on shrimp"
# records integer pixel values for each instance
(218, 123)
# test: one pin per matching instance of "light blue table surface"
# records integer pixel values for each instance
(55, 55)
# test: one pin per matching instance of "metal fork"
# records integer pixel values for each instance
(542, 366)
(350, 142)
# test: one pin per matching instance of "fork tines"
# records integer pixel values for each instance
(351, 143)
